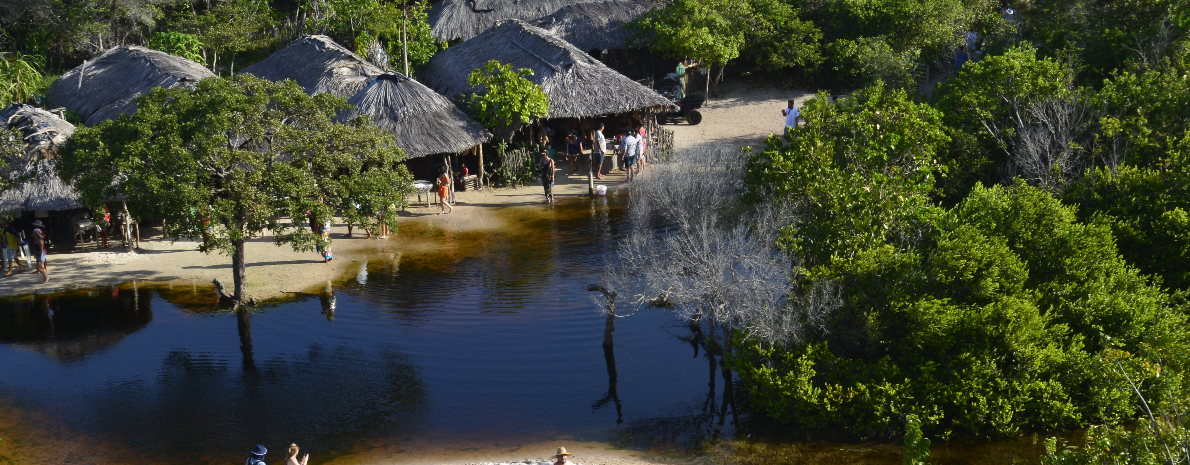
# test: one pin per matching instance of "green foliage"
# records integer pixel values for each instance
(232, 158)
(917, 447)
(361, 21)
(859, 174)
(502, 98)
(1146, 116)
(868, 61)
(177, 43)
(996, 323)
(979, 104)
(718, 31)
(231, 27)
(20, 80)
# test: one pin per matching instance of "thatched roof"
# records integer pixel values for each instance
(106, 86)
(597, 25)
(464, 19)
(44, 191)
(578, 86)
(40, 129)
(423, 121)
(319, 65)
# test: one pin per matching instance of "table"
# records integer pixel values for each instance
(423, 187)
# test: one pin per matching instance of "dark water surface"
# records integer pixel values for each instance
(448, 341)
(487, 335)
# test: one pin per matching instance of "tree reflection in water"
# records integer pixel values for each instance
(71, 326)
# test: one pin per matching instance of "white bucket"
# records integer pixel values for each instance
(601, 189)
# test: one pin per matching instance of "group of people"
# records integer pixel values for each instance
(257, 457)
(14, 245)
(258, 453)
(632, 144)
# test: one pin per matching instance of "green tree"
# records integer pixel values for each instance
(715, 32)
(177, 43)
(502, 99)
(232, 158)
(231, 27)
(980, 105)
(917, 446)
(858, 175)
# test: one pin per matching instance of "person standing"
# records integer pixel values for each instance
(443, 191)
(293, 453)
(630, 145)
(547, 175)
(12, 251)
(597, 151)
(573, 150)
(644, 144)
(257, 457)
(791, 115)
(39, 250)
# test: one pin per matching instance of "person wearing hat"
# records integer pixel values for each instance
(562, 456)
(39, 251)
(257, 457)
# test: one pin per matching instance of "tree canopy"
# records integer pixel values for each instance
(234, 158)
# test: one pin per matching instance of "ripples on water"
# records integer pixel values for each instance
(488, 336)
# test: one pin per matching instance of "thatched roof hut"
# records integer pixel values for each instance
(44, 191)
(596, 25)
(464, 19)
(578, 86)
(423, 121)
(43, 132)
(106, 86)
(319, 65)
(40, 129)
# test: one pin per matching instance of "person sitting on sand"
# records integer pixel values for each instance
(293, 460)
(562, 456)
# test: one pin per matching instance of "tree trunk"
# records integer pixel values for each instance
(708, 91)
(719, 78)
(481, 178)
(404, 44)
(238, 269)
(609, 329)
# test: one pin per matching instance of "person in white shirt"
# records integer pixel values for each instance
(791, 115)
(630, 145)
(597, 151)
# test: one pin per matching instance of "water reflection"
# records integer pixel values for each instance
(72, 326)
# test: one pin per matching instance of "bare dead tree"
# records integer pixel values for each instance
(1054, 136)
(693, 248)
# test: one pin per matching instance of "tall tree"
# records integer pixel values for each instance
(232, 158)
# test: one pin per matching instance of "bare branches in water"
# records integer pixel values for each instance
(694, 248)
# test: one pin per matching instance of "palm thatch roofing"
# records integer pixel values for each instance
(43, 191)
(40, 130)
(424, 122)
(319, 65)
(578, 86)
(464, 19)
(106, 86)
(596, 25)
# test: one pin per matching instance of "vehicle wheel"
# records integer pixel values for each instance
(694, 117)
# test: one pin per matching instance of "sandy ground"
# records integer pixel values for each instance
(743, 116)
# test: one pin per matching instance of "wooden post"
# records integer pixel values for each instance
(481, 180)
(590, 160)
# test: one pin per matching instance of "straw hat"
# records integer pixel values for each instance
(561, 452)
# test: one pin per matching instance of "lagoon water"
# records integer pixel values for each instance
(484, 337)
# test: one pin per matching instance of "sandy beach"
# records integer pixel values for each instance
(744, 115)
